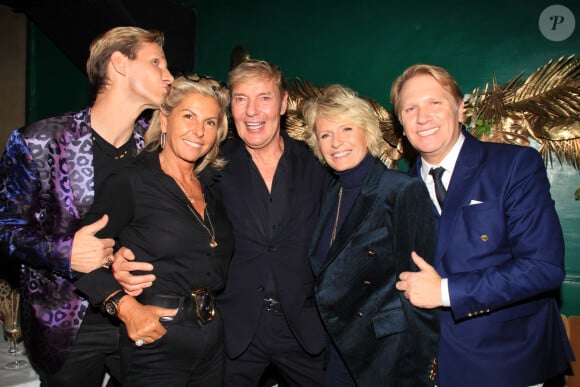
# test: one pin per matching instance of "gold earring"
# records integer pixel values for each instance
(163, 139)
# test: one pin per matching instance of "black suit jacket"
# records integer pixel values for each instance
(285, 254)
(383, 339)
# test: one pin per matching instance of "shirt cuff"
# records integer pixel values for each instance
(445, 293)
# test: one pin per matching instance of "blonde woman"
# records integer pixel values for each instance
(167, 209)
(371, 221)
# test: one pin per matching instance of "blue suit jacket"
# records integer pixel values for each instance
(504, 258)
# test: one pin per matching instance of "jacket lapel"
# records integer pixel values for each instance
(240, 176)
(325, 214)
(465, 178)
(359, 212)
(78, 155)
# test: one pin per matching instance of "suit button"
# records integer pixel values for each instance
(371, 253)
(360, 314)
(484, 238)
(260, 289)
(469, 315)
(367, 283)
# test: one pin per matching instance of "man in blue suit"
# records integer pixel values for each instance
(500, 252)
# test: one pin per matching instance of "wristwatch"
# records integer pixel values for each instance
(111, 304)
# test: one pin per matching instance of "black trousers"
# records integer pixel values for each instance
(275, 346)
(94, 352)
(189, 354)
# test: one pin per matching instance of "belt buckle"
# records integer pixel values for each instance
(203, 305)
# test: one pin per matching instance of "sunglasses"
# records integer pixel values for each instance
(214, 83)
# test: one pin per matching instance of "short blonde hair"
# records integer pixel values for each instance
(439, 73)
(257, 69)
(343, 103)
(181, 87)
(127, 40)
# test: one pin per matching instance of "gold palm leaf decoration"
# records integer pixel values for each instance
(299, 92)
(545, 107)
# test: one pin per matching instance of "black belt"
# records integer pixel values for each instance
(272, 304)
(162, 300)
(200, 304)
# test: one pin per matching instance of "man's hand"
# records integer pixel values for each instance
(123, 264)
(422, 288)
(142, 321)
(89, 252)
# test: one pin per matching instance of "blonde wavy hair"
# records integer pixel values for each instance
(181, 87)
(337, 101)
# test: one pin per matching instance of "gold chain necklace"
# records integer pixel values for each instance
(187, 193)
(212, 243)
(110, 153)
(337, 215)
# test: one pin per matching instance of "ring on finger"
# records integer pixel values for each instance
(139, 343)
(108, 261)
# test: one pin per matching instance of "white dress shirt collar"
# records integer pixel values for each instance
(448, 163)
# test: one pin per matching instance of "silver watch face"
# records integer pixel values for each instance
(110, 308)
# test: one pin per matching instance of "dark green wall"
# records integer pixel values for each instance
(54, 84)
(364, 45)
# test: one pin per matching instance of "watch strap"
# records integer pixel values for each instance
(111, 303)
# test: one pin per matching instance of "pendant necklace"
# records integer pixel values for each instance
(213, 243)
(337, 216)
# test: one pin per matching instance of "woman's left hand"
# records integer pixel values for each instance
(142, 321)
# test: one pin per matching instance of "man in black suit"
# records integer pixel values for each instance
(273, 188)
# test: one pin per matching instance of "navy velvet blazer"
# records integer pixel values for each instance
(383, 340)
(500, 244)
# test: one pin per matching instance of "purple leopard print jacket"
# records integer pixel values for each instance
(46, 186)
